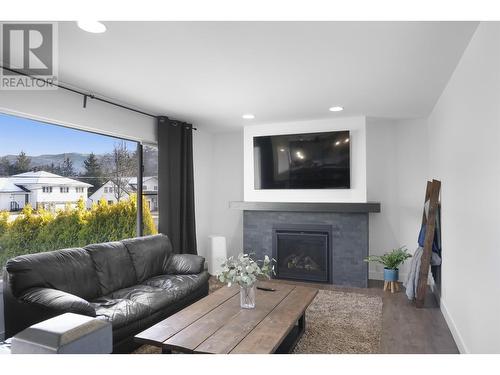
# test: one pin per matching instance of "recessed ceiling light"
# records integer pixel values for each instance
(336, 109)
(248, 116)
(95, 27)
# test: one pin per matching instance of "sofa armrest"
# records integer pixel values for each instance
(184, 264)
(57, 301)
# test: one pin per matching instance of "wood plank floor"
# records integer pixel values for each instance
(405, 329)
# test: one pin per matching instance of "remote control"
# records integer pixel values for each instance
(266, 289)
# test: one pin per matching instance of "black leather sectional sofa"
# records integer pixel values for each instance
(133, 283)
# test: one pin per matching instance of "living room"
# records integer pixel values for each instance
(315, 186)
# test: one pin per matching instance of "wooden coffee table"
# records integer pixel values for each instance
(216, 324)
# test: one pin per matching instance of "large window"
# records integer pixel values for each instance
(61, 187)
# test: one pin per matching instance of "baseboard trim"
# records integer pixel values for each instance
(462, 348)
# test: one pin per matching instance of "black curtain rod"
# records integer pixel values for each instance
(88, 95)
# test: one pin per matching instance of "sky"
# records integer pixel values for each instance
(38, 138)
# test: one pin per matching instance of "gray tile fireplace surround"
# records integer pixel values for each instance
(349, 234)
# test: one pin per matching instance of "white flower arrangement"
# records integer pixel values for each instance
(245, 271)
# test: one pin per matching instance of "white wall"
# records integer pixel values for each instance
(65, 108)
(464, 143)
(100, 194)
(396, 177)
(203, 166)
(357, 192)
(218, 164)
(38, 196)
(227, 185)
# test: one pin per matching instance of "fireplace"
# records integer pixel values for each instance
(303, 252)
(345, 223)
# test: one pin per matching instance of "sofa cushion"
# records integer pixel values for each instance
(57, 300)
(156, 298)
(149, 255)
(184, 264)
(69, 270)
(178, 286)
(119, 312)
(113, 266)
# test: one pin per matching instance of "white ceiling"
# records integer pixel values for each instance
(210, 73)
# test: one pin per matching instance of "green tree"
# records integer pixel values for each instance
(67, 168)
(5, 166)
(52, 168)
(4, 222)
(22, 164)
(93, 173)
(36, 231)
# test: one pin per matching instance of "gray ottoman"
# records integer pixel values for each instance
(65, 334)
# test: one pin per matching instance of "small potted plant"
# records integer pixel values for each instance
(245, 272)
(391, 262)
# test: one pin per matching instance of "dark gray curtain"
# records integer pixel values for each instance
(176, 184)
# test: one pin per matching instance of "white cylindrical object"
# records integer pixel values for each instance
(218, 254)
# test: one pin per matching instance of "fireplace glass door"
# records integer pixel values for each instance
(302, 255)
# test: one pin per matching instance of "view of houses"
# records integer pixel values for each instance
(50, 191)
(41, 190)
(56, 181)
(112, 192)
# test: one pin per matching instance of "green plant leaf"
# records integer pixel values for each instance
(391, 260)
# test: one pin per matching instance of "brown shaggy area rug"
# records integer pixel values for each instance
(336, 323)
(342, 322)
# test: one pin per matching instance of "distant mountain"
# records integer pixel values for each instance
(40, 160)
(150, 160)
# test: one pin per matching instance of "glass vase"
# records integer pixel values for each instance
(247, 297)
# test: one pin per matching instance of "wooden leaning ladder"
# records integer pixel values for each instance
(429, 220)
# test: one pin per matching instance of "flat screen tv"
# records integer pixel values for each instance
(302, 161)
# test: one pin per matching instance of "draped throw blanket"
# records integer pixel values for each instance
(176, 184)
(411, 283)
